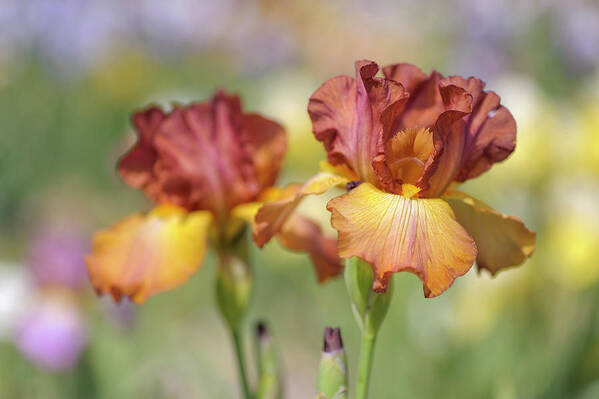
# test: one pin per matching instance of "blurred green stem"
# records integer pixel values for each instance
(366, 355)
(84, 381)
(234, 287)
(239, 354)
(270, 382)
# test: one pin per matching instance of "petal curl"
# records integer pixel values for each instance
(143, 255)
(449, 134)
(347, 116)
(395, 233)
(301, 234)
(272, 215)
(502, 240)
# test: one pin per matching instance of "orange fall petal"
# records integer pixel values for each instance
(396, 233)
(502, 240)
(145, 254)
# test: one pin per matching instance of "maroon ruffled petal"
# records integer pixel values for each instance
(207, 155)
(347, 116)
(135, 167)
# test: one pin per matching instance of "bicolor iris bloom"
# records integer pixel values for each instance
(208, 166)
(400, 144)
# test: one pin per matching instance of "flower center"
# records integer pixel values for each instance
(408, 190)
(407, 153)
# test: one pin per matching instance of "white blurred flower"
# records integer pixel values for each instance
(15, 292)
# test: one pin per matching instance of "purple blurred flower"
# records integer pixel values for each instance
(56, 258)
(578, 35)
(76, 35)
(52, 335)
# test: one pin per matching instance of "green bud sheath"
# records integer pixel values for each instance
(332, 371)
(270, 384)
(234, 286)
(234, 280)
(370, 308)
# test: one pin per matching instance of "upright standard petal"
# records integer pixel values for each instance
(425, 103)
(272, 215)
(502, 240)
(202, 163)
(397, 233)
(208, 155)
(413, 154)
(146, 254)
(447, 162)
(490, 132)
(347, 117)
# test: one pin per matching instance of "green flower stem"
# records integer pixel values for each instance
(234, 287)
(370, 309)
(366, 356)
(240, 355)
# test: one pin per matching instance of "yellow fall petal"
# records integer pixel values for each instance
(272, 215)
(144, 254)
(394, 233)
(502, 240)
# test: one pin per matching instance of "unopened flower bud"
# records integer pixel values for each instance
(270, 383)
(332, 371)
(235, 281)
(369, 306)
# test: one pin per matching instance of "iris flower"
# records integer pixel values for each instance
(400, 144)
(207, 166)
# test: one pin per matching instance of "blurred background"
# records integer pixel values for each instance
(71, 73)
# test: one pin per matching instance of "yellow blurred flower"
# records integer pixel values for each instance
(474, 319)
(574, 245)
(589, 146)
(572, 236)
